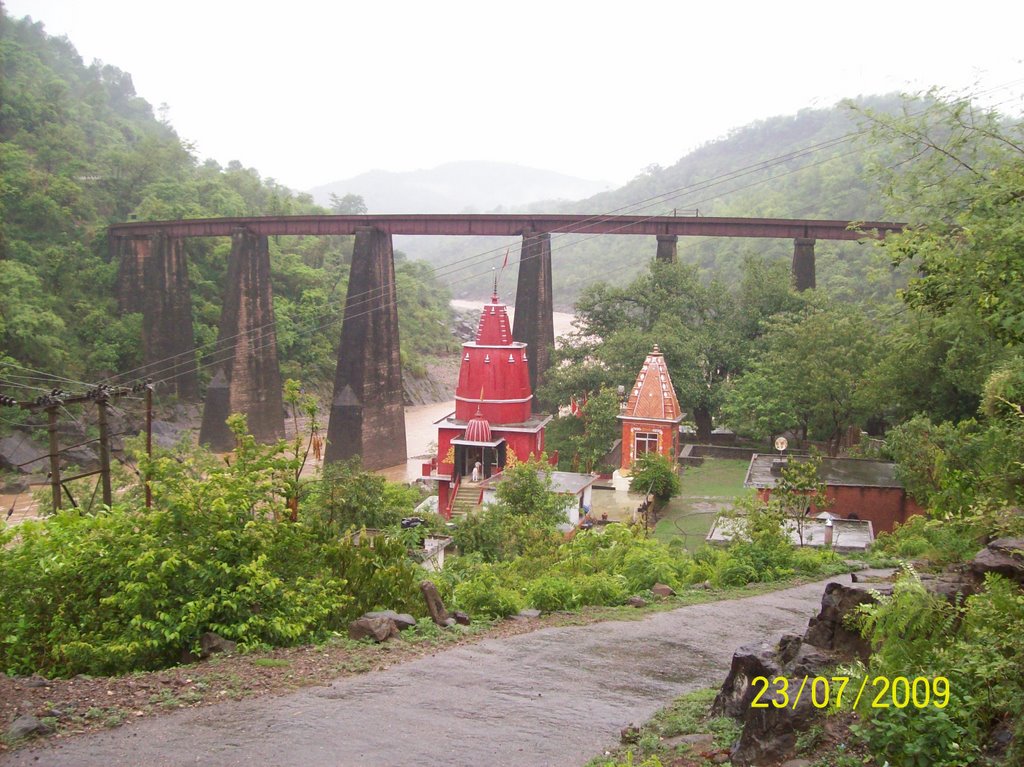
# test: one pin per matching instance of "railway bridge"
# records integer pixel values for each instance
(366, 414)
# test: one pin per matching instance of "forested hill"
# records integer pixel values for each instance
(80, 149)
(808, 165)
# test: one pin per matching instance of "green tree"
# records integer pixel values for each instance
(655, 475)
(581, 441)
(526, 490)
(798, 489)
(811, 372)
(955, 172)
(347, 497)
(705, 330)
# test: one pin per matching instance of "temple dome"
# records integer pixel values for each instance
(478, 429)
(494, 377)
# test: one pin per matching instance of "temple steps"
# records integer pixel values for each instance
(466, 499)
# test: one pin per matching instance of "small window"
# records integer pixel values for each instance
(645, 442)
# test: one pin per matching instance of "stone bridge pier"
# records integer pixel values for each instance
(803, 263)
(367, 416)
(153, 279)
(246, 375)
(534, 320)
(668, 245)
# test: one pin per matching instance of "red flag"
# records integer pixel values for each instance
(505, 263)
(573, 407)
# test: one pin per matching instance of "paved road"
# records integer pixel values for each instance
(553, 697)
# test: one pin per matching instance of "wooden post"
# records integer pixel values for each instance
(54, 457)
(149, 442)
(101, 405)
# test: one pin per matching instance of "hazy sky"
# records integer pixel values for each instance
(310, 92)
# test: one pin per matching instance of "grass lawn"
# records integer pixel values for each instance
(707, 490)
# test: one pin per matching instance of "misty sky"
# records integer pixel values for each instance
(310, 92)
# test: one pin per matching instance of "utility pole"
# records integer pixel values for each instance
(54, 457)
(101, 407)
(149, 442)
(101, 395)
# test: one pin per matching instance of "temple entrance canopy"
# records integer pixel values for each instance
(491, 456)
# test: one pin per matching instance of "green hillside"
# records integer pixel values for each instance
(79, 149)
(809, 165)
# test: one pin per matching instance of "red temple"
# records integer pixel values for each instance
(493, 419)
(651, 417)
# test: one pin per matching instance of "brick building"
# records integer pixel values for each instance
(651, 415)
(858, 488)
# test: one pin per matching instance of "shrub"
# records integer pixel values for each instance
(645, 565)
(732, 572)
(130, 588)
(552, 593)
(601, 589)
(123, 590)
(485, 595)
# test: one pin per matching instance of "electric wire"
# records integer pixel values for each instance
(473, 259)
(371, 296)
(175, 369)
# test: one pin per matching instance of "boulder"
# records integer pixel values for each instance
(529, 613)
(828, 630)
(378, 629)
(749, 661)
(26, 726)
(1004, 556)
(83, 456)
(16, 452)
(662, 590)
(211, 644)
(402, 620)
(636, 602)
(166, 434)
(769, 734)
(435, 606)
(953, 585)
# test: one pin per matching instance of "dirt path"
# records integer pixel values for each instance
(552, 697)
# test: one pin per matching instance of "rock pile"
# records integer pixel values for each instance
(770, 734)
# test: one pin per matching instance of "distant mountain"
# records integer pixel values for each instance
(459, 187)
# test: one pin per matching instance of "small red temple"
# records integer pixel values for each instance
(493, 419)
(651, 415)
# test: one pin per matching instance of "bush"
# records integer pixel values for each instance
(122, 591)
(484, 595)
(732, 572)
(939, 541)
(978, 646)
(601, 589)
(130, 588)
(552, 593)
